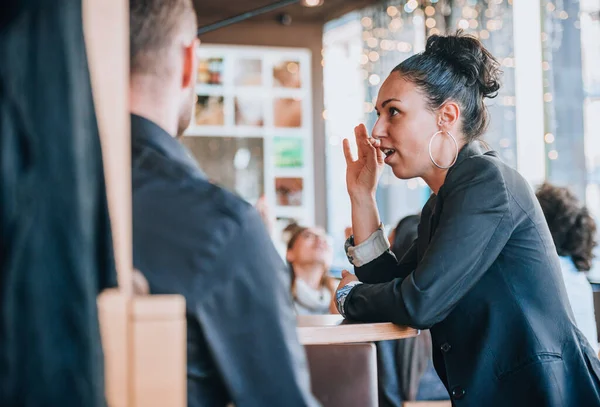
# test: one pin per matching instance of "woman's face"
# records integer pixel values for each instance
(405, 125)
(311, 247)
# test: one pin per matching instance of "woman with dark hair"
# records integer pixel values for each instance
(500, 338)
(309, 255)
(574, 233)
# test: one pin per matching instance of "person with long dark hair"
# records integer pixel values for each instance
(574, 233)
(500, 338)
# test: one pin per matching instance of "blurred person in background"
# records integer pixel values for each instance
(309, 256)
(196, 239)
(574, 233)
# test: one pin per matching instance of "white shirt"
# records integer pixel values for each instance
(581, 297)
(309, 301)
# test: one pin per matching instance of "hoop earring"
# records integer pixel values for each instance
(431, 155)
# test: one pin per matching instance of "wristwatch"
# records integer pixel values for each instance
(342, 293)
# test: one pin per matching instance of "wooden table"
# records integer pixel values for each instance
(330, 329)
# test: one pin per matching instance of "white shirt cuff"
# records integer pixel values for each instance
(370, 249)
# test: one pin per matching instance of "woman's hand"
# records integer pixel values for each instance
(362, 174)
(347, 277)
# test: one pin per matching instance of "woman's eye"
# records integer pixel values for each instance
(394, 111)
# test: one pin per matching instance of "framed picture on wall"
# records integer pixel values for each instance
(252, 130)
(286, 74)
(289, 191)
(288, 152)
(248, 72)
(210, 71)
(209, 111)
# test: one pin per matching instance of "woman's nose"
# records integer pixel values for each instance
(379, 129)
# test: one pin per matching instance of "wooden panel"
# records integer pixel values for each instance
(112, 311)
(158, 350)
(106, 29)
(157, 307)
(330, 329)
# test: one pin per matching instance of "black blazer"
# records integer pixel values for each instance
(193, 238)
(484, 276)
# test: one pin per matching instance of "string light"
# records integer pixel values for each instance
(404, 47)
(374, 79)
(395, 24)
(549, 138)
(508, 62)
(553, 154)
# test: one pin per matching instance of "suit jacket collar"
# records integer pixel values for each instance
(148, 134)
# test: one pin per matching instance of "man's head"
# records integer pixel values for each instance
(163, 62)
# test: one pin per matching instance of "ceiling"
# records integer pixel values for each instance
(210, 11)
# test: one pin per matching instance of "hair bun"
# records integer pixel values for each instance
(470, 59)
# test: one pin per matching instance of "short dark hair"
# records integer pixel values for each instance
(572, 227)
(153, 26)
(456, 67)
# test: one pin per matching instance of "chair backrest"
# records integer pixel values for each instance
(344, 375)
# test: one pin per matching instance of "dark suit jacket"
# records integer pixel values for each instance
(193, 238)
(484, 275)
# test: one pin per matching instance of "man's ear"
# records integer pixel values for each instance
(190, 64)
